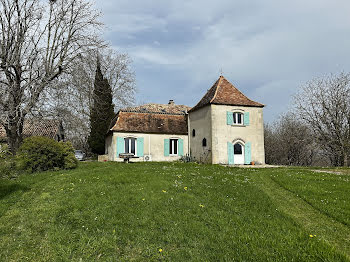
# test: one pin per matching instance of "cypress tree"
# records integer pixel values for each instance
(101, 112)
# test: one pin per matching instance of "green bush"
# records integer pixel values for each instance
(4, 151)
(42, 153)
(8, 167)
(70, 161)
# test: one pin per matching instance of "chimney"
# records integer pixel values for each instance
(171, 102)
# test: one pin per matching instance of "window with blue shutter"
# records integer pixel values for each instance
(230, 153)
(166, 147)
(229, 118)
(246, 119)
(120, 145)
(248, 153)
(140, 146)
(181, 147)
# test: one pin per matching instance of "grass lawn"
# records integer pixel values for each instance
(177, 212)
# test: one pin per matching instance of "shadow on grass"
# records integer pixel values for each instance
(6, 190)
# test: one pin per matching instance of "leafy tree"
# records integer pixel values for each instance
(101, 113)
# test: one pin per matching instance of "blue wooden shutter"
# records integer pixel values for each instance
(181, 147)
(120, 145)
(140, 146)
(230, 153)
(246, 119)
(166, 147)
(229, 118)
(247, 153)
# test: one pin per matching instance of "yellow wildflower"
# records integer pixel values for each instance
(185, 187)
(160, 250)
(143, 199)
(164, 191)
(311, 236)
(201, 205)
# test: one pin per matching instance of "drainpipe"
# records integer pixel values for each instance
(149, 144)
(188, 135)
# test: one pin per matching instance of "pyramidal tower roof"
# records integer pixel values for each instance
(224, 93)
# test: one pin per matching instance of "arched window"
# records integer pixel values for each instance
(193, 132)
(237, 149)
(204, 142)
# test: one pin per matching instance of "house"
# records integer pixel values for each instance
(151, 132)
(38, 127)
(224, 127)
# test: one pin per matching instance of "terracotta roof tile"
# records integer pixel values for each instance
(172, 109)
(150, 123)
(42, 127)
(224, 93)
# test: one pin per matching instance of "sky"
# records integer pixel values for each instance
(266, 48)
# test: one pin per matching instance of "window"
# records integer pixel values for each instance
(193, 132)
(204, 142)
(173, 146)
(130, 145)
(238, 118)
(237, 149)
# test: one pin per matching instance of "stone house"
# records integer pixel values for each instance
(225, 127)
(152, 132)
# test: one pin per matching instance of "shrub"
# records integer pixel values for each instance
(4, 151)
(8, 167)
(42, 153)
(70, 161)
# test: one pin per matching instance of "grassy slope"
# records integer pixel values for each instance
(329, 193)
(117, 211)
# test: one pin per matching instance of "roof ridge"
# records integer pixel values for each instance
(150, 112)
(224, 93)
(216, 90)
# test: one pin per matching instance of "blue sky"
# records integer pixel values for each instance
(267, 49)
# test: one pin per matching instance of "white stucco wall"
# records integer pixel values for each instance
(153, 145)
(223, 133)
(109, 146)
(200, 121)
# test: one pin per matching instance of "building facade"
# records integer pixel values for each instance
(152, 132)
(225, 127)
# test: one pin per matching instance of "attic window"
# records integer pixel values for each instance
(193, 132)
(204, 142)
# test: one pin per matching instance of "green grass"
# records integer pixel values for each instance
(327, 192)
(126, 212)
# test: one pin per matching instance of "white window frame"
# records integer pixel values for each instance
(171, 146)
(130, 144)
(235, 118)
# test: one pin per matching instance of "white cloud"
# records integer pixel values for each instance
(276, 45)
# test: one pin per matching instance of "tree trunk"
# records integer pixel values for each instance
(14, 131)
(345, 159)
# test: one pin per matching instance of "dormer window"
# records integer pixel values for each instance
(237, 118)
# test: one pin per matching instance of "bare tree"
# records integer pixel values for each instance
(71, 97)
(324, 104)
(288, 141)
(39, 40)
